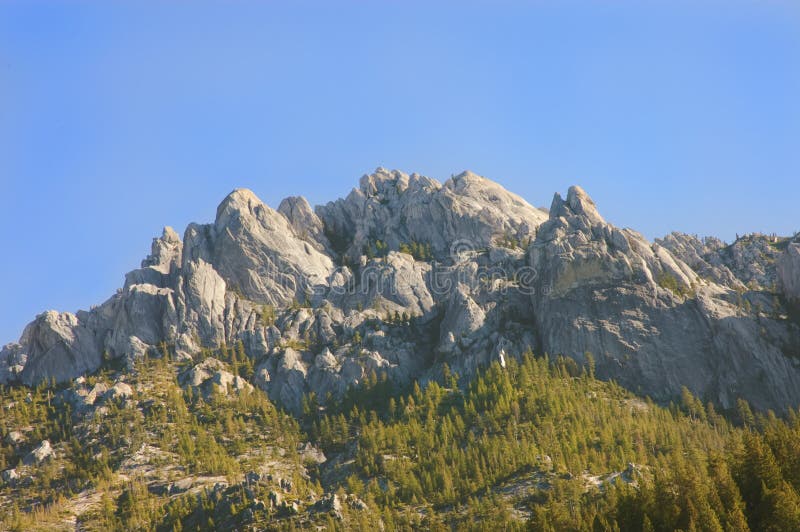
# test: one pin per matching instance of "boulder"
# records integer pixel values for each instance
(203, 291)
(330, 504)
(462, 318)
(10, 477)
(212, 374)
(356, 504)
(119, 392)
(39, 454)
(308, 452)
(15, 438)
(92, 396)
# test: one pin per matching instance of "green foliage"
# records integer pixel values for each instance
(376, 248)
(540, 444)
(268, 315)
(189, 436)
(298, 345)
(512, 241)
(452, 450)
(396, 318)
(297, 305)
(668, 281)
(420, 251)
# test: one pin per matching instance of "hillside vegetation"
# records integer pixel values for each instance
(539, 444)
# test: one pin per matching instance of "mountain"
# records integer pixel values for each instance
(405, 275)
(415, 356)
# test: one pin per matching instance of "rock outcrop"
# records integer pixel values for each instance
(59, 346)
(788, 270)
(10, 476)
(212, 376)
(305, 222)
(748, 263)
(395, 208)
(39, 454)
(257, 252)
(406, 274)
(648, 319)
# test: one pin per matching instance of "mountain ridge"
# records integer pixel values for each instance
(405, 274)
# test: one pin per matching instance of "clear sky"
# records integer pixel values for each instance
(119, 118)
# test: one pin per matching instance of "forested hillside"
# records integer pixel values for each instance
(538, 444)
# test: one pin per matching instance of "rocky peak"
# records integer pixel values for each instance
(168, 235)
(383, 181)
(257, 252)
(267, 278)
(304, 221)
(615, 290)
(465, 179)
(297, 210)
(398, 209)
(468, 187)
(387, 186)
(240, 202)
(578, 203)
(165, 251)
(243, 209)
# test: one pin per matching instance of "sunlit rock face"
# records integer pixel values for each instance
(396, 208)
(649, 320)
(406, 274)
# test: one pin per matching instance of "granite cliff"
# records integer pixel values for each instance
(406, 274)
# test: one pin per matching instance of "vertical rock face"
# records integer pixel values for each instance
(788, 270)
(395, 283)
(406, 274)
(204, 296)
(648, 319)
(257, 252)
(58, 346)
(144, 313)
(13, 358)
(305, 222)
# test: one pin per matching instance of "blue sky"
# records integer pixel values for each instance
(119, 118)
